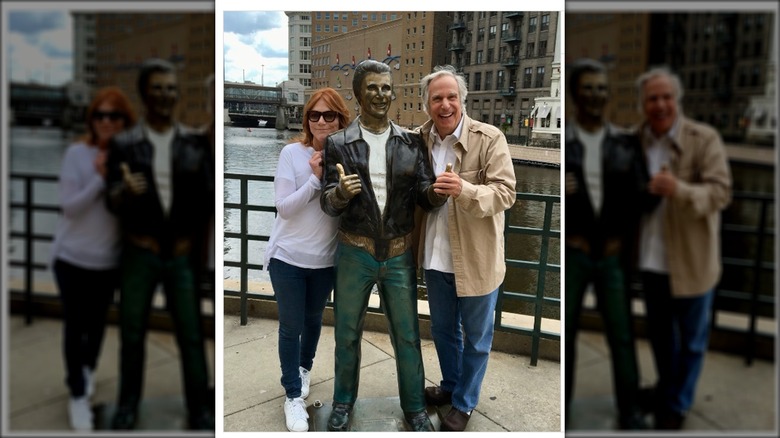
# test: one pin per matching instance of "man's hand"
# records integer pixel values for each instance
(349, 185)
(663, 183)
(135, 182)
(448, 183)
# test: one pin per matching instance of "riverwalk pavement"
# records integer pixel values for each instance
(733, 398)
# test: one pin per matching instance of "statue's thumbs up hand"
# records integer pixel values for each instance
(135, 182)
(349, 185)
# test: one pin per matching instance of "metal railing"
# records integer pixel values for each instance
(29, 235)
(536, 298)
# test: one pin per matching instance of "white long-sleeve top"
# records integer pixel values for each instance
(88, 235)
(302, 234)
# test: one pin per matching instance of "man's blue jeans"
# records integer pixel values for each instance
(301, 295)
(356, 273)
(678, 329)
(463, 360)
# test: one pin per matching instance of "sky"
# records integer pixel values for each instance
(255, 47)
(39, 46)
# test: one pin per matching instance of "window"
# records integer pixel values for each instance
(488, 80)
(500, 79)
(479, 56)
(305, 42)
(306, 82)
(539, 77)
(327, 28)
(319, 15)
(335, 16)
(365, 17)
(344, 17)
(319, 28)
(542, 48)
(477, 81)
(335, 28)
(492, 32)
(504, 28)
(532, 25)
(305, 55)
(529, 51)
(489, 56)
(304, 68)
(373, 17)
(327, 15)
(421, 60)
(354, 22)
(422, 29)
(527, 77)
(545, 22)
(422, 45)
(481, 34)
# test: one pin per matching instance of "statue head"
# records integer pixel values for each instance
(372, 85)
(158, 88)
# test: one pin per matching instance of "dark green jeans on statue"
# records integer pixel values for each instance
(356, 273)
(141, 272)
(607, 278)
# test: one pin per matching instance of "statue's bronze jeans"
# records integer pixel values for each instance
(356, 273)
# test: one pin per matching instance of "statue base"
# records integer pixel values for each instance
(368, 415)
(161, 413)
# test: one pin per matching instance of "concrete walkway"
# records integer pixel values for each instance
(731, 398)
(516, 397)
(37, 397)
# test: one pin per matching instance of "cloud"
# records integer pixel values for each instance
(40, 47)
(33, 23)
(256, 55)
(249, 23)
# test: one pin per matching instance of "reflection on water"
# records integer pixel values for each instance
(256, 152)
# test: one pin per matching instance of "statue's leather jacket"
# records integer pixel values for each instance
(409, 182)
(192, 199)
(624, 185)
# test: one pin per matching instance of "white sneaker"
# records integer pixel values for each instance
(80, 413)
(305, 381)
(89, 381)
(296, 415)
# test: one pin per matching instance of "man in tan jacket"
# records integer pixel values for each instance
(462, 243)
(680, 240)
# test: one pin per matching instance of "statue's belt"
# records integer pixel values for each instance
(380, 249)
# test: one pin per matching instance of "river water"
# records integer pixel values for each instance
(256, 152)
(39, 151)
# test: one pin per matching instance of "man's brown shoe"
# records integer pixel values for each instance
(455, 421)
(436, 396)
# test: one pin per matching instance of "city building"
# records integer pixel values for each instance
(506, 57)
(411, 43)
(299, 47)
(125, 40)
(722, 59)
(546, 114)
(84, 46)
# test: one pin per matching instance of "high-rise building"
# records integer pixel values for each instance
(299, 47)
(125, 40)
(722, 59)
(506, 57)
(411, 43)
(84, 46)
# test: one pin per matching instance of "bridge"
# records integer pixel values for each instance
(43, 105)
(247, 104)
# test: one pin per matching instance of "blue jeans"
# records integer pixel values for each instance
(678, 329)
(463, 359)
(301, 294)
(86, 296)
(356, 274)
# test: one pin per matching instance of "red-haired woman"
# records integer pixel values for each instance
(301, 249)
(85, 251)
